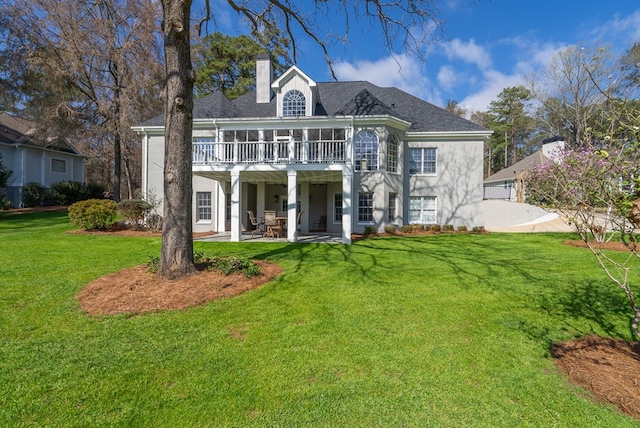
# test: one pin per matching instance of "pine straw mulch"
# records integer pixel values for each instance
(608, 368)
(611, 246)
(137, 291)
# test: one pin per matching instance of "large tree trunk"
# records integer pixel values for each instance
(176, 257)
(117, 164)
(127, 172)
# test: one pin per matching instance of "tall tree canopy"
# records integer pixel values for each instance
(512, 125)
(630, 67)
(455, 108)
(228, 64)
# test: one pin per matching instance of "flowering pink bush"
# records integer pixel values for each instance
(592, 187)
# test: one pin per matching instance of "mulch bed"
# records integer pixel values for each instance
(608, 368)
(137, 291)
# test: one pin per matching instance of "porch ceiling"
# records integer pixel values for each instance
(324, 176)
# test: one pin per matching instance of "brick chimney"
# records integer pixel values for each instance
(263, 78)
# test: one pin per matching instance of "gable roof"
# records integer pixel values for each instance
(17, 131)
(293, 70)
(526, 164)
(357, 98)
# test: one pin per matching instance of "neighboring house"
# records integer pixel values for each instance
(34, 157)
(348, 155)
(508, 183)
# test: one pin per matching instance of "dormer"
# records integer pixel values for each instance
(296, 93)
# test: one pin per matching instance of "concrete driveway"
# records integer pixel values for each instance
(507, 216)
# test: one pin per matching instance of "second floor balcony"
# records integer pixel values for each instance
(270, 152)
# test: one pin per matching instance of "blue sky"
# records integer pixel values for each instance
(489, 46)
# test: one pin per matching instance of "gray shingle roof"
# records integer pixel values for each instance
(340, 99)
(365, 104)
(526, 164)
(16, 130)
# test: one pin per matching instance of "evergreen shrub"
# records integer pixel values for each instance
(93, 213)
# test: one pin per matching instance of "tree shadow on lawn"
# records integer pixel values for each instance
(608, 368)
(602, 366)
(595, 301)
(471, 260)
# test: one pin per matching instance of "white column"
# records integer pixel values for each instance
(145, 166)
(222, 207)
(347, 203)
(261, 195)
(261, 150)
(292, 190)
(236, 198)
(304, 206)
(305, 145)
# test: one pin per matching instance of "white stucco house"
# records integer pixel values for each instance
(507, 183)
(35, 157)
(348, 155)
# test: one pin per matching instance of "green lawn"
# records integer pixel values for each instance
(448, 330)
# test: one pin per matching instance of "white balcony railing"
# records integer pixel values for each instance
(272, 152)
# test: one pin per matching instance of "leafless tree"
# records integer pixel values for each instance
(99, 62)
(568, 91)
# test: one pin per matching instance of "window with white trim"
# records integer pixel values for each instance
(284, 204)
(366, 150)
(392, 153)
(393, 204)
(365, 207)
(294, 104)
(422, 161)
(337, 207)
(422, 210)
(203, 206)
(59, 165)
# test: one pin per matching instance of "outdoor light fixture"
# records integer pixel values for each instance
(275, 198)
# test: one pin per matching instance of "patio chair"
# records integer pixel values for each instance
(298, 225)
(271, 226)
(320, 224)
(256, 222)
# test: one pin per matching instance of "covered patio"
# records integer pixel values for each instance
(308, 190)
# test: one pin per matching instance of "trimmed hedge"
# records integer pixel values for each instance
(33, 194)
(93, 213)
(60, 193)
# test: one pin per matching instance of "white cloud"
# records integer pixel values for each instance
(492, 84)
(542, 56)
(625, 28)
(447, 77)
(468, 52)
(486, 81)
(400, 71)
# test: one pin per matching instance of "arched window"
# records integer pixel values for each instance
(294, 104)
(366, 147)
(392, 153)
